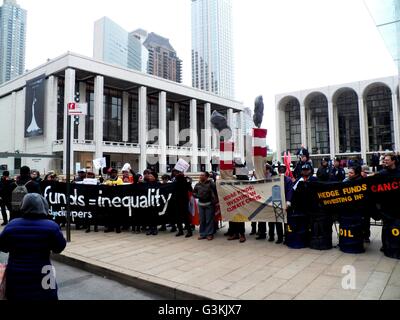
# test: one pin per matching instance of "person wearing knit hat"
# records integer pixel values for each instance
(29, 241)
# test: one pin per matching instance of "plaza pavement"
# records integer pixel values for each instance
(180, 268)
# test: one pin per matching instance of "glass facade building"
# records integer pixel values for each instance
(386, 14)
(212, 47)
(12, 40)
(113, 44)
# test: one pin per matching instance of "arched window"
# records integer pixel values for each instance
(317, 124)
(380, 118)
(348, 126)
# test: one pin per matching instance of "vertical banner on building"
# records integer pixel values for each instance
(34, 107)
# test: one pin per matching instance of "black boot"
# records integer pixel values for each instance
(253, 228)
(189, 234)
(261, 237)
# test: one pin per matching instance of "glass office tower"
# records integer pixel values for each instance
(212, 47)
(12, 40)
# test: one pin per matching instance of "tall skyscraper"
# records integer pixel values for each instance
(386, 14)
(212, 47)
(163, 61)
(113, 44)
(12, 40)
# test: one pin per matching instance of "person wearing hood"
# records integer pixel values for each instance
(29, 241)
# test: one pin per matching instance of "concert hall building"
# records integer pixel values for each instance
(352, 120)
(125, 110)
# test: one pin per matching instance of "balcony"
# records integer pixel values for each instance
(78, 145)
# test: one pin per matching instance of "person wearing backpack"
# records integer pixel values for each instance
(22, 186)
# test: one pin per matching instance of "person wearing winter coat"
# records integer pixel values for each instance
(29, 241)
(204, 193)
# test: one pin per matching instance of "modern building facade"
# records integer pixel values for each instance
(112, 44)
(248, 121)
(141, 35)
(349, 120)
(12, 40)
(212, 47)
(163, 61)
(386, 14)
(132, 118)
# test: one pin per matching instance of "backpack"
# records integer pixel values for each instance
(17, 196)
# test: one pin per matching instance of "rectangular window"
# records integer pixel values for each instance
(112, 125)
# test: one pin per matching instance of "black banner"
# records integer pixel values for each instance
(34, 107)
(376, 195)
(142, 202)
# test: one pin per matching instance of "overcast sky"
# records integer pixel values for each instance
(280, 46)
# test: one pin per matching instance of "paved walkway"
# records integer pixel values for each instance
(219, 269)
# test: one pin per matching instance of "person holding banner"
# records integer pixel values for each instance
(390, 166)
(297, 232)
(113, 180)
(389, 210)
(183, 216)
(152, 217)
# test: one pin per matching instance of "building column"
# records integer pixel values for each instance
(125, 116)
(143, 128)
(162, 135)
(174, 139)
(214, 139)
(193, 135)
(395, 107)
(303, 126)
(241, 135)
(69, 96)
(230, 120)
(280, 132)
(207, 135)
(331, 120)
(82, 119)
(98, 115)
(363, 129)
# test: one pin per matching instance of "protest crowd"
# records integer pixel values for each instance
(197, 203)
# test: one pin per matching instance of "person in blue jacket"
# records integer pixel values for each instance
(29, 241)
